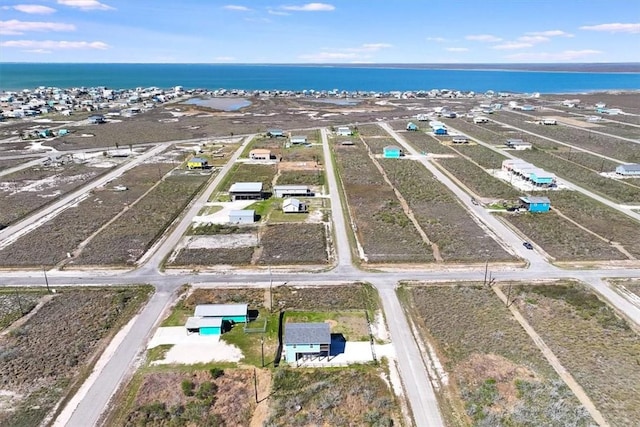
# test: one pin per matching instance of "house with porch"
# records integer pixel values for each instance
(392, 152)
(197, 163)
(306, 340)
(260, 154)
(293, 205)
(246, 191)
(536, 204)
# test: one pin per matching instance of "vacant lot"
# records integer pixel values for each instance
(129, 237)
(592, 342)
(337, 397)
(46, 358)
(482, 155)
(599, 218)
(29, 189)
(246, 172)
(496, 374)
(562, 239)
(381, 226)
(286, 244)
(15, 303)
(301, 177)
(478, 180)
(49, 244)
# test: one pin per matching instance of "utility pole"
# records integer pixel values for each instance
(19, 302)
(255, 383)
(46, 280)
(486, 270)
(262, 348)
(270, 291)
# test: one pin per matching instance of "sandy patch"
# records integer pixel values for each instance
(190, 349)
(222, 241)
(222, 216)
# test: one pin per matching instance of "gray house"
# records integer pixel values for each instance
(306, 339)
(242, 216)
(292, 190)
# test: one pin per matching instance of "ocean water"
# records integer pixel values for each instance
(15, 76)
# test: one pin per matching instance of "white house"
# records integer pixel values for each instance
(480, 119)
(242, 216)
(344, 131)
(292, 205)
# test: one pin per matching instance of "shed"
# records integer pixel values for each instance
(536, 204)
(306, 339)
(439, 131)
(275, 133)
(242, 216)
(344, 131)
(246, 191)
(518, 144)
(204, 325)
(412, 126)
(478, 120)
(298, 139)
(391, 152)
(236, 313)
(197, 163)
(460, 140)
(292, 205)
(260, 154)
(292, 190)
(629, 170)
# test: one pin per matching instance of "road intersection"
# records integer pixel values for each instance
(416, 382)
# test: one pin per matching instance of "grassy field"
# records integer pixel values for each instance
(562, 239)
(45, 359)
(598, 218)
(592, 342)
(338, 397)
(246, 172)
(49, 244)
(131, 235)
(482, 155)
(286, 244)
(302, 177)
(382, 228)
(478, 180)
(496, 374)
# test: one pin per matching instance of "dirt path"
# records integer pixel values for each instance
(405, 207)
(261, 413)
(554, 361)
(21, 321)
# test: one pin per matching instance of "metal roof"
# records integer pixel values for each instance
(290, 187)
(291, 201)
(250, 213)
(246, 187)
(219, 310)
(535, 199)
(198, 159)
(307, 333)
(203, 322)
(634, 167)
(392, 148)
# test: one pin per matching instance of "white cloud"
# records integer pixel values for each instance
(34, 9)
(236, 8)
(53, 44)
(614, 28)
(550, 33)
(361, 53)
(436, 39)
(38, 51)
(311, 7)
(533, 39)
(277, 12)
(487, 38)
(457, 49)
(15, 27)
(375, 46)
(567, 55)
(224, 58)
(86, 4)
(511, 45)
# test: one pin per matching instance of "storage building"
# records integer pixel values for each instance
(242, 216)
(629, 170)
(246, 191)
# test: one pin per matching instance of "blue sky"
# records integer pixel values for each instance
(344, 31)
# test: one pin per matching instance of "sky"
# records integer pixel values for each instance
(341, 31)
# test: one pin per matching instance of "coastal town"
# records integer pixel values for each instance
(272, 257)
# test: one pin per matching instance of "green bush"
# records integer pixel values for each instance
(187, 387)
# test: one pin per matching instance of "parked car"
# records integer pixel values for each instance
(527, 245)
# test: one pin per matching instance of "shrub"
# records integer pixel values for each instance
(187, 387)
(216, 372)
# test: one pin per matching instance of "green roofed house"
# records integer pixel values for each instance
(305, 340)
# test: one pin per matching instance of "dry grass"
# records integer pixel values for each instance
(287, 244)
(44, 359)
(478, 180)
(301, 177)
(210, 257)
(592, 342)
(497, 376)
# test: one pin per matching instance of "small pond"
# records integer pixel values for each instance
(224, 104)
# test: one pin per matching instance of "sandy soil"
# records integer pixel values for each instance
(190, 349)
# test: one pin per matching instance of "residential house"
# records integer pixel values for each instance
(412, 126)
(275, 133)
(292, 190)
(306, 339)
(197, 163)
(298, 140)
(344, 131)
(518, 144)
(97, 119)
(242, 216)
(480, 120)
(246, 191)
(460, 140)
(536, 204)
(292, 205)
(392, 152)
(260, 154)
(439, 130)
(629, 170)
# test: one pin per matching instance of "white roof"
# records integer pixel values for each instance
(219, 310)
(203, 322)
(242, 213)
(290, 187)
(291, 202)
(246, 187)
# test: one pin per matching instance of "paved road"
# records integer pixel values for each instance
(342, 246)
(413, 372)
